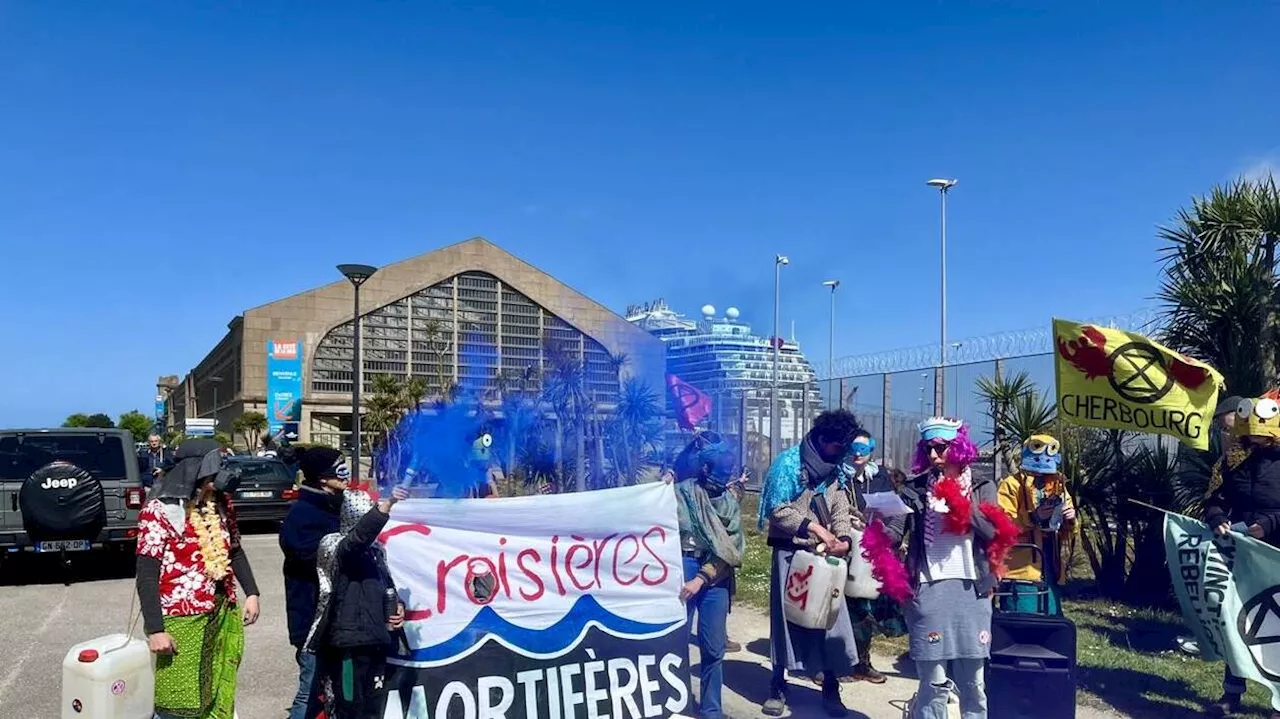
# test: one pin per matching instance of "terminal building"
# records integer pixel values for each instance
(462, 315)
(733, 366)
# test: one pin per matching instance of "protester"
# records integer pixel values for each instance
(954, 553)
(358, 609)
(154, 460)
(1037, 500)
(804, 504)
(712, 542)
(1227, 449)
(1248, 497)
(311, 518)
(879, 615)
(189, 560)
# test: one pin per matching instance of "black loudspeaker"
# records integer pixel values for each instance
(1032, 671)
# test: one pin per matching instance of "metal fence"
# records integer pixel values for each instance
(892, 392)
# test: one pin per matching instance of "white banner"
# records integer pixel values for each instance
(545, 606)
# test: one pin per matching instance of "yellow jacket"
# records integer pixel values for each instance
(1016, 495)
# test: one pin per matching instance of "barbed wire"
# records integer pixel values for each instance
(1002, 345)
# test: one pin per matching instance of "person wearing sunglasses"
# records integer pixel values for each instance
(1037, 500)
(880, 615)
(954, 556)
(804, 505)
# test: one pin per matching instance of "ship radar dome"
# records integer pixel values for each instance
(708, 311)
(731, 313)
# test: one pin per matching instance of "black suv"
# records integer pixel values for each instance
(69, 490)
(266, 489)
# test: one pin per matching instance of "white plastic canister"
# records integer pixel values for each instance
(814, 590)
(861, 584)
(111, 677)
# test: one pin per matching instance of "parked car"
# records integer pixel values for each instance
(266, 490)
(69, 490)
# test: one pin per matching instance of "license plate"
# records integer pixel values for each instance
(256, 495)
(64, 545)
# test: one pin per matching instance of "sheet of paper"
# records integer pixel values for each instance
(886, 504)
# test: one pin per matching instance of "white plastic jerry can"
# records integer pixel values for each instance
(860, 584)
(814, 590)
(111, 677)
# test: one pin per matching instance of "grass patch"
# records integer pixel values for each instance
(1128, 658)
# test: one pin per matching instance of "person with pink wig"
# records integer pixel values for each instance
(956, 547)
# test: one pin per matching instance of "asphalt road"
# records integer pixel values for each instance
(41, 617)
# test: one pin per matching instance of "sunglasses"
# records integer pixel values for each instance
(938, 447)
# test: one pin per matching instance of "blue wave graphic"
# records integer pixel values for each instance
(553, 639)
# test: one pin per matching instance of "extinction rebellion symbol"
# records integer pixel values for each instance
(1259, 624)
(1138, 373)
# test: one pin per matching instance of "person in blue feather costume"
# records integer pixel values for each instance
(805, 507)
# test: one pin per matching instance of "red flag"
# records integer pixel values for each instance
(692, 404)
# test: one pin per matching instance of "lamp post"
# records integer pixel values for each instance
(775, 427)
(215, 380)
(944, 186)
(356, 275)
(831, 335)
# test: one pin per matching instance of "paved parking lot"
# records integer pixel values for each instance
(42, 618)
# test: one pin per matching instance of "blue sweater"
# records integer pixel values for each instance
(314, 515)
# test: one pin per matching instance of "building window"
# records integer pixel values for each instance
(467, 329)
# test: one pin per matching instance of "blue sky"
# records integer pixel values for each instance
(164, 166)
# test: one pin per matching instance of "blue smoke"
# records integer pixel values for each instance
(435, 447)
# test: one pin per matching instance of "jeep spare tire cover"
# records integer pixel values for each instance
(62, 501)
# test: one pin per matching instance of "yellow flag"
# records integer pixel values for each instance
(1114, 379)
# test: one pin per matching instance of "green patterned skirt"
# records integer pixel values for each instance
(199, 682)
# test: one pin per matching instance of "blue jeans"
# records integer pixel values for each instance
(966, 676)
(304, 701)
(712, 606)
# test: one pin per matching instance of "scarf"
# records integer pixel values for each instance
(782, 485)
(933, 518)
(714, 522)
(815, 466)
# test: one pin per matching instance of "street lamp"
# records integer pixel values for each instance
(215, 380)
(944, 187)
(831, 336)
(356, 274)
(775, 427)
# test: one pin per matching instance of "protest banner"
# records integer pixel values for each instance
(1114, 379)
(547, 607)
(1229, 590)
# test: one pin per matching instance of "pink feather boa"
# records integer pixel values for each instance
(879, 551)
(1007, 534)
(959, 516)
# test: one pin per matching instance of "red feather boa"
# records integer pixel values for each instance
(1007, 534)
(880, 552)
(958, 518)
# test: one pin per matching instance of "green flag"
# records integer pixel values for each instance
(1229, 589)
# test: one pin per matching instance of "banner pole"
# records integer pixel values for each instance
(1159, 509)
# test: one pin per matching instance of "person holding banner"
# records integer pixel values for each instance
(1037, 500)
(1248, 499)
(955, 552)
(311, 518)
(712, 542)
(804, 505)
(358, 609)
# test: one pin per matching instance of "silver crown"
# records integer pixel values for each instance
(355, 504)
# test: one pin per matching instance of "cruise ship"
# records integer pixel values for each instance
(721, 357)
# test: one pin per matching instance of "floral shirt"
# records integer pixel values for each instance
(185, 589)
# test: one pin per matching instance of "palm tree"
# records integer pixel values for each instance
(1017, 410)
(564, 388)
(635, 427)
(1220, 293)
